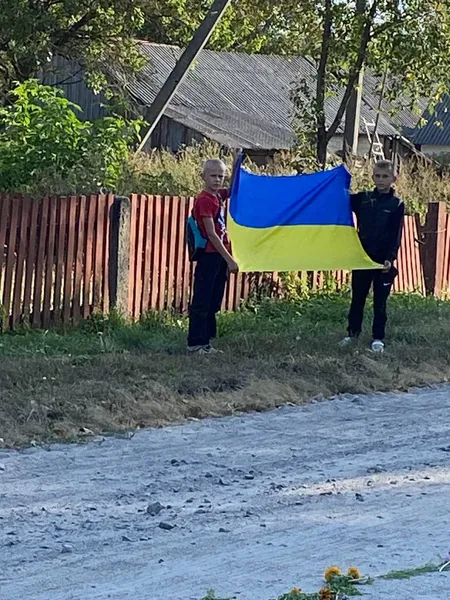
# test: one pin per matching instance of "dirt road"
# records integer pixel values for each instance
(250, 505)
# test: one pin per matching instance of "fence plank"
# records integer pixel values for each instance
(39, 271)
(109, 203)
(79, 262)
(148, 251)
(5, 207)
(446, 273)
(399, 281)
(405, 255)
(414, 249)
(230, 292)
(174, 241)
(98, 252)
(89, 256)
(163, 265)
(411, 254)
(49, 267)
(19, 270)
(188, 269)
(415, 257)
(10, 259)
(60, 258)
(31, 259)
(179, 253)
(156, 243)
(70, 261)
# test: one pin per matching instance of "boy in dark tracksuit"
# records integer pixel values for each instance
(380, 216)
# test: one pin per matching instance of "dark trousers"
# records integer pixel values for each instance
(210, 279)
(361, 284)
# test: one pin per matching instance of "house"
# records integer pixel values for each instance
(433, 138)
(235, 99)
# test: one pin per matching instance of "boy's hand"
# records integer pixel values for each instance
(233, 266)
(387, 266)
(235, 153)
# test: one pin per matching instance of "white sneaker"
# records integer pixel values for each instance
(196, 350)
(203, 350)
(346, 341)
(377, 346)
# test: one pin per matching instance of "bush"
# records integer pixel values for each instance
(46, 148)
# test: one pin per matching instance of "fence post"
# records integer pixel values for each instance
(432, 247)
(119, 257)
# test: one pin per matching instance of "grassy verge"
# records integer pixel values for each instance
(108, 377)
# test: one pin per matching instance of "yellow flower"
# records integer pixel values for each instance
(332, 572)
(296, 591)
(325, 594)
(354, 573)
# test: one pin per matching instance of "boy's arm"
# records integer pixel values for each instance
(218, 244)
(396, 231)
(355, 202)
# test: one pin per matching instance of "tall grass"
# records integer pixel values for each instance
(166, 173)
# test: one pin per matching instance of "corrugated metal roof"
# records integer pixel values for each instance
(239, 99)
(436, 131)
(397, 113)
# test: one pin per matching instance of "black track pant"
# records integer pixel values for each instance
(361, 284)
(210, 279)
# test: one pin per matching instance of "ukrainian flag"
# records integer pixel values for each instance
(294, 223)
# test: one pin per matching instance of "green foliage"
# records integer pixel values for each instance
(262, 26)
(93, 33)
(166, 173)
(45, 147)
(383, 36)
(410, 573)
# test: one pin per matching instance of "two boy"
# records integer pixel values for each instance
(380, 217)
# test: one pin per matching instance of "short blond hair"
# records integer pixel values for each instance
(212, 163)
(385, 165)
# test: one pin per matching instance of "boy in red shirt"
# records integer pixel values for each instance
(215, 262)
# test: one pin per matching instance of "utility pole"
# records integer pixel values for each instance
(353, 111)
(377, 118)
(182, 67)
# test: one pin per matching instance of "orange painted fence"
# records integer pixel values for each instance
(66, 257)
(54, 263)
(161, 275)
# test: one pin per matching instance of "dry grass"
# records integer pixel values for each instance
(108, 377)
(166, 173)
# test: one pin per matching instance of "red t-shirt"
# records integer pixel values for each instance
(211, 205)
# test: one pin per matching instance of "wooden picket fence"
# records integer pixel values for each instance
(54, 264)
(65, 257)
(162, 274)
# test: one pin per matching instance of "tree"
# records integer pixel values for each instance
(384, 36)
(264, 26)
(410, 39)
(45, 147)
(93, 32)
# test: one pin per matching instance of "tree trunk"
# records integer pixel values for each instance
(321, 147)
(322, 142)
(354, 72)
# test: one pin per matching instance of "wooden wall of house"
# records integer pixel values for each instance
(171, 135)
(68, 76)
